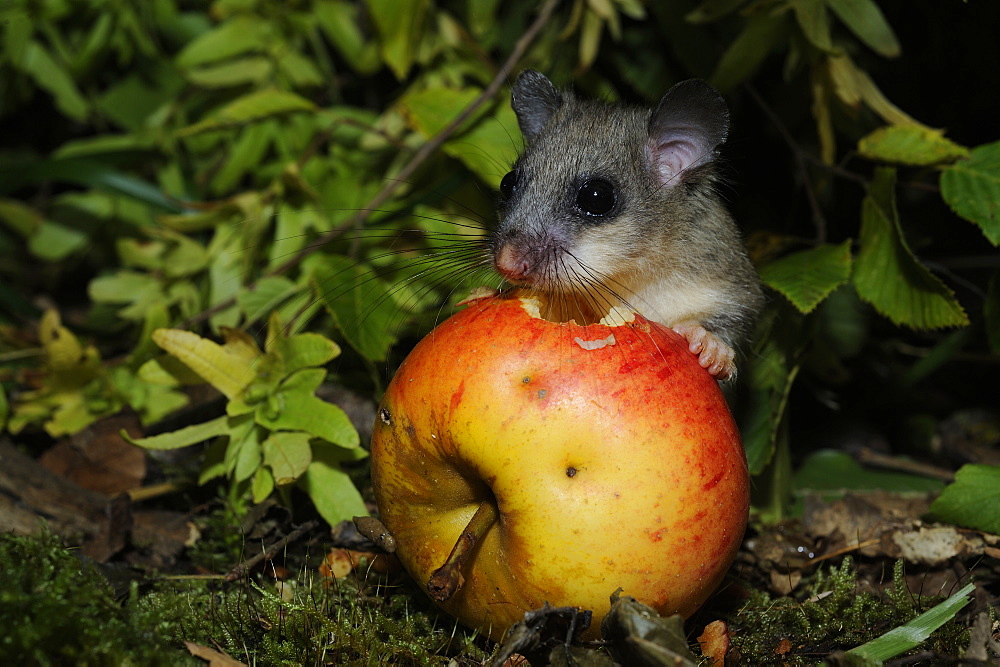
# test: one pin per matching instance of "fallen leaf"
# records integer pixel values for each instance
(211, 656)
(714, 642)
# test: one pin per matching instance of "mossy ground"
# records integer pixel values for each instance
(57, 608)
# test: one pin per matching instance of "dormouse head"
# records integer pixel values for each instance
(595, 181)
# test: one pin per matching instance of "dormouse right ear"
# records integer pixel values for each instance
(689, 124)
(534, 99)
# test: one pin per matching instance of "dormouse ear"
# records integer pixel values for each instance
(534, 100)
(690, 122)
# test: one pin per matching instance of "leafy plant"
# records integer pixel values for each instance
(276, 431)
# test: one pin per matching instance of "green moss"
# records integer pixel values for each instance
(832, 615)
(58, 609)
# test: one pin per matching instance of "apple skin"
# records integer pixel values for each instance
(612, 467)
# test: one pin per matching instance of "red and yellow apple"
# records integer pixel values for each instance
(604, 457)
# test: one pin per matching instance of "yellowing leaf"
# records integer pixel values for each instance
(62, 349)
(910, 144)
(229, 368)
(853, 86)
(288, 454)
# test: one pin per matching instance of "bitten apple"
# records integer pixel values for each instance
(602, 456)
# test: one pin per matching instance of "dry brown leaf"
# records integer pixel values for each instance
(714, 642)
(211, 656)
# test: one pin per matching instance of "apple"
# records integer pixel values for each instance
(555, 462)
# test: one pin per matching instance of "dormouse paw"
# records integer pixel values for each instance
(713, 354)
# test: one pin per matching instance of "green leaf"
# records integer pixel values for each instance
(866, 21)
(295, 408)
(761, 34)
(807, 277)
(288, 455)
(262, 485)
(267, 295)
(361, 304)
(244, 32)
(429, 111)
(991, 313)
(190, 435)
(304, 351)
(21, 218)
(829, 470)
(339, 20)
(771, 382)
(249, 70)
(907, 637)
(488, 148)
(910, 144)
(972, 500)
(399, 25)
(972, 189)
(229, 368)
(331, 489)
(251, 108)
(48, 75)
(888, 276)
(812, 19)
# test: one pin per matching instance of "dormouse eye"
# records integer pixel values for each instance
(509, 183)
(596, 197)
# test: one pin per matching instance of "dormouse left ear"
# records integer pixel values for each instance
(688, 125)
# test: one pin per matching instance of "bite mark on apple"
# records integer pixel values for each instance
(596, 344)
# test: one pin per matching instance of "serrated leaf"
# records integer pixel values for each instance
(972, 500)
(304, 350)
(185, 437)
(228, 368)
(910, 144)
(399, 25)
(866, 21)
(972, 189)
(807, 277)
(288, 455)
(771, 380)
(331, 489)
(888, 276)
(251, 108)
(907, 637)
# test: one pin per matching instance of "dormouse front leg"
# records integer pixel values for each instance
(714, 355)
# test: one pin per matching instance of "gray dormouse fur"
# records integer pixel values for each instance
(612, 204)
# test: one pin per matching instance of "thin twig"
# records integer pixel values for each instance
(819, 221)
(241, 569)
(418, 159)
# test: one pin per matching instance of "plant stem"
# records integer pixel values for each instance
(447, 579)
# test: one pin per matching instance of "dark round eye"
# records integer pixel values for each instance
(596, 197)
(509, 183)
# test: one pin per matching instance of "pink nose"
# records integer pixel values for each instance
(511, 265)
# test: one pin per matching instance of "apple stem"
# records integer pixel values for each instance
(447, 579)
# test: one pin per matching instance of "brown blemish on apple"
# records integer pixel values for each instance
(571, 471)
(385, 416)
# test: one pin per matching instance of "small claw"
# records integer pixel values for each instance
(713, 354)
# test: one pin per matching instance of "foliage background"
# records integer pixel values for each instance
(199, 165)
